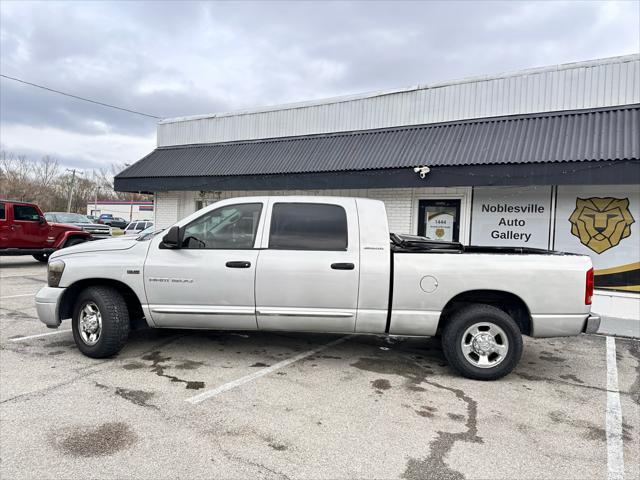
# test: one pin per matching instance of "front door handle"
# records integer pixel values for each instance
(343, 266)
(238, 264)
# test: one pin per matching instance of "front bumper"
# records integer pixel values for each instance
(592, 325)
(47, 305)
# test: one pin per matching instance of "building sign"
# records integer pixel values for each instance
(440, 226)
(511, 216)
(600, 221)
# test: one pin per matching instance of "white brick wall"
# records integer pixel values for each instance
(166, 208)
(401, 203)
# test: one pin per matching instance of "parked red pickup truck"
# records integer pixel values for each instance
(25, 231)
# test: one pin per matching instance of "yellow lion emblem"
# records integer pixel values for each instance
(600, 223)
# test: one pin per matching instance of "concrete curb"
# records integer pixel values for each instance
(624, 327)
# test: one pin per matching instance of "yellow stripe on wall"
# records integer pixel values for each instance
(619, 269)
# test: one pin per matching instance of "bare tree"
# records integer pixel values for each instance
(47, 184)
(16, 175)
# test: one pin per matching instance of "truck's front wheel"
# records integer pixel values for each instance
(100, 322)
(482, 342)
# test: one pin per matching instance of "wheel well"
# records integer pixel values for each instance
(136, 314)
(509, 303)
(74, 237)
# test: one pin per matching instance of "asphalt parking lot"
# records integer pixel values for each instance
(181, 404)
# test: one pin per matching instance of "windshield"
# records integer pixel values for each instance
(149, 233)
(71, 218)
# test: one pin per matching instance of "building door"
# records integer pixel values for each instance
(439, 219)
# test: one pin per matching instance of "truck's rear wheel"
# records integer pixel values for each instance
(482, 342)
(100, 322)
(42, 257)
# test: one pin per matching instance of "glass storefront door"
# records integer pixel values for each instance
(439, 219)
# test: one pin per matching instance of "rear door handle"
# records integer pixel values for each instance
(343, 266)
(238, 264)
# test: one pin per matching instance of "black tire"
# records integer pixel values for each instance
(457, 325)
(115, 321)
(73, 241)
(42, 257)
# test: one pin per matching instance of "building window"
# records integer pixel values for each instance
(308, 226)
(439, 219)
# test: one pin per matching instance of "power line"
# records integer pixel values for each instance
(77, 97)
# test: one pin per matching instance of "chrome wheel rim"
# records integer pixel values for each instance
(484, 345)
(90, 323)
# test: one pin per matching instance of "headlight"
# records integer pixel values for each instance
(54, 272)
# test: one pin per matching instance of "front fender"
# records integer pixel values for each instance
(64, 236)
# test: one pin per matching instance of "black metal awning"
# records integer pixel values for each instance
(570, 147)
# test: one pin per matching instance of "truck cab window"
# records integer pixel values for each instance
(308, 226)
(25, 213)
(2, 214)
(230, 227)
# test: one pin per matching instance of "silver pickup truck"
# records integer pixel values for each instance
(318, 264)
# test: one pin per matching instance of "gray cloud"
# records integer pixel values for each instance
(182, 58)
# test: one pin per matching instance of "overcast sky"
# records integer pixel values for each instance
(174, 59)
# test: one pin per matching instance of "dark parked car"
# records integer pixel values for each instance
(96, 230)
(109, 219)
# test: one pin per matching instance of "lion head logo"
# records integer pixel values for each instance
(600, 223)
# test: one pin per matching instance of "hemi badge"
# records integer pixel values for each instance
(133, 272)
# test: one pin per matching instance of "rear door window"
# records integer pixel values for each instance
(3, 215)
(308, 226)
(25, 213)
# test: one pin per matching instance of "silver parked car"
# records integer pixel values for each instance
(137, 226)
(95, 229)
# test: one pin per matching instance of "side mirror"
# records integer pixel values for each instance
(172, 239)
(42, 220)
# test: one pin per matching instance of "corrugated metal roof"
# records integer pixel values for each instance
(581, 135)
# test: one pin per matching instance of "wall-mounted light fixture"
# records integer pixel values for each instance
(422, 171)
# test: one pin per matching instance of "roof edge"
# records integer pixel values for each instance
(379, 93)
(502, 118)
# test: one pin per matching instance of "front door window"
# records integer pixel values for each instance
(439, 219)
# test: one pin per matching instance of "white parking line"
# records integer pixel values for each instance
(615, 452)
(19, 339)
(16, 296)
(261, 373)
